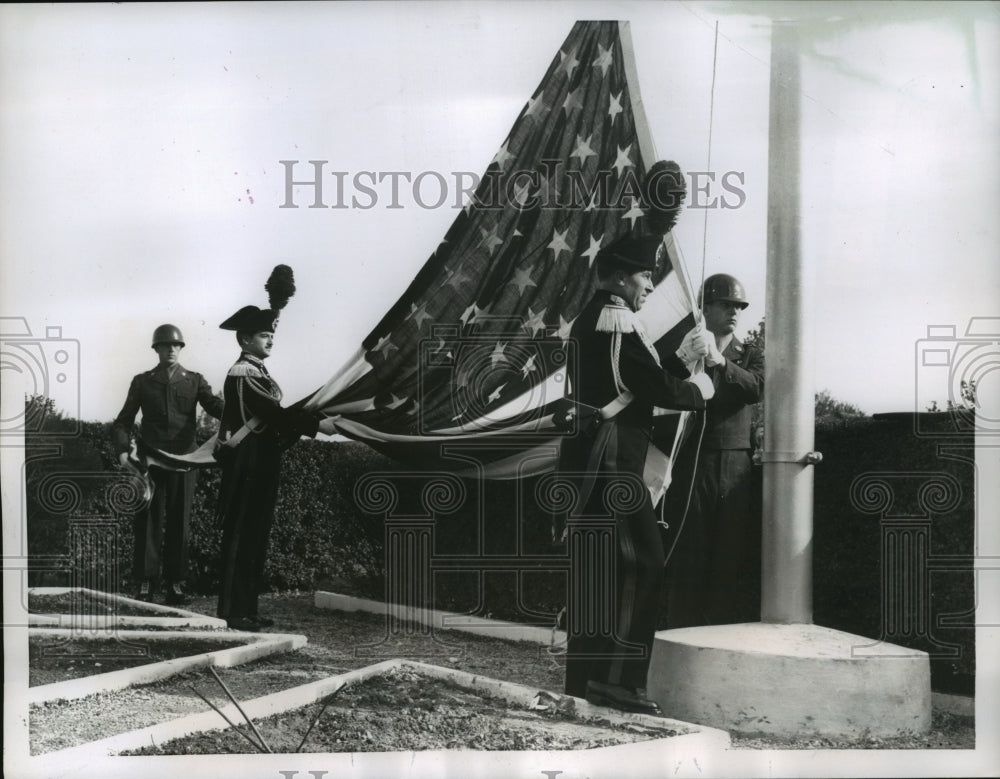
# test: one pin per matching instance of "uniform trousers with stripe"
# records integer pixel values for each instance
(616, 572)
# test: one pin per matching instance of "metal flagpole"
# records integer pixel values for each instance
(794, 677)
(786, 595)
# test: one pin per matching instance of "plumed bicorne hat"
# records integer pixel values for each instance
(631, 252)
(662, 194)
(280, 287)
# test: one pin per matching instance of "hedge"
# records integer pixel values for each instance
(325, 537)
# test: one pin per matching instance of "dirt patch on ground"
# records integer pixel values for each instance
(403, 710)
(53, 660)
(83, 603)
(340, 641)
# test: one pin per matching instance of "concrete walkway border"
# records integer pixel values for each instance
(256, 645)
(163, 616)
(444, 620)
(677, 751)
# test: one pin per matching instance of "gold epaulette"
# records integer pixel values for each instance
(245, 369)
(616, 319)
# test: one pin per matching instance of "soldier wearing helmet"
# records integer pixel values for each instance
(168, 397)
(713, 571)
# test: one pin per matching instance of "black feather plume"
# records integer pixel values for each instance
(280, 287)
(663, 193)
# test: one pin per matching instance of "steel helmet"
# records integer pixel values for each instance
(167, 334)
(722, 286)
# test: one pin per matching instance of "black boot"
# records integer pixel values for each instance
(621, 698)
(243, 623)
(175, 595)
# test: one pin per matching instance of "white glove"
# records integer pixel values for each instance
(714, 356)
(704, 383)
(695, 345)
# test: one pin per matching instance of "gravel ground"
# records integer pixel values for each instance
(340, 641)
(53, 660)
(403, 710)
(84, 603)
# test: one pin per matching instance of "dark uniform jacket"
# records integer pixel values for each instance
(251, 471)
(169, 410)
(738, 385)
(611, 618)
(251, 392)
(612, 355)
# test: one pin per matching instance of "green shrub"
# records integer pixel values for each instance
(323, 539)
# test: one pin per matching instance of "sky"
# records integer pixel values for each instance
(141, 180)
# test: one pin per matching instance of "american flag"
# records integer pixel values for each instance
(474, 351)
(472, 357)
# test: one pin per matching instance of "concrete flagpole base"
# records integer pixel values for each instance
(790, 680)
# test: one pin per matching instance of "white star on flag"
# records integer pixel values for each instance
(528, 367)
(558, 243)
(572, 101)
(521, 193)
(568, 63)
(471, 314)
(419, 314)
(491, 239)
(615, 106)
(534, 322)
(522, 280)
(595, 247)
(535, 106)
(502, 155)
(395, 402)
(583, 149)
(603, 60)
(385, 346)
(622, 161)
(498, 355)
(633, 213)
(495, 395)
(564, 328)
